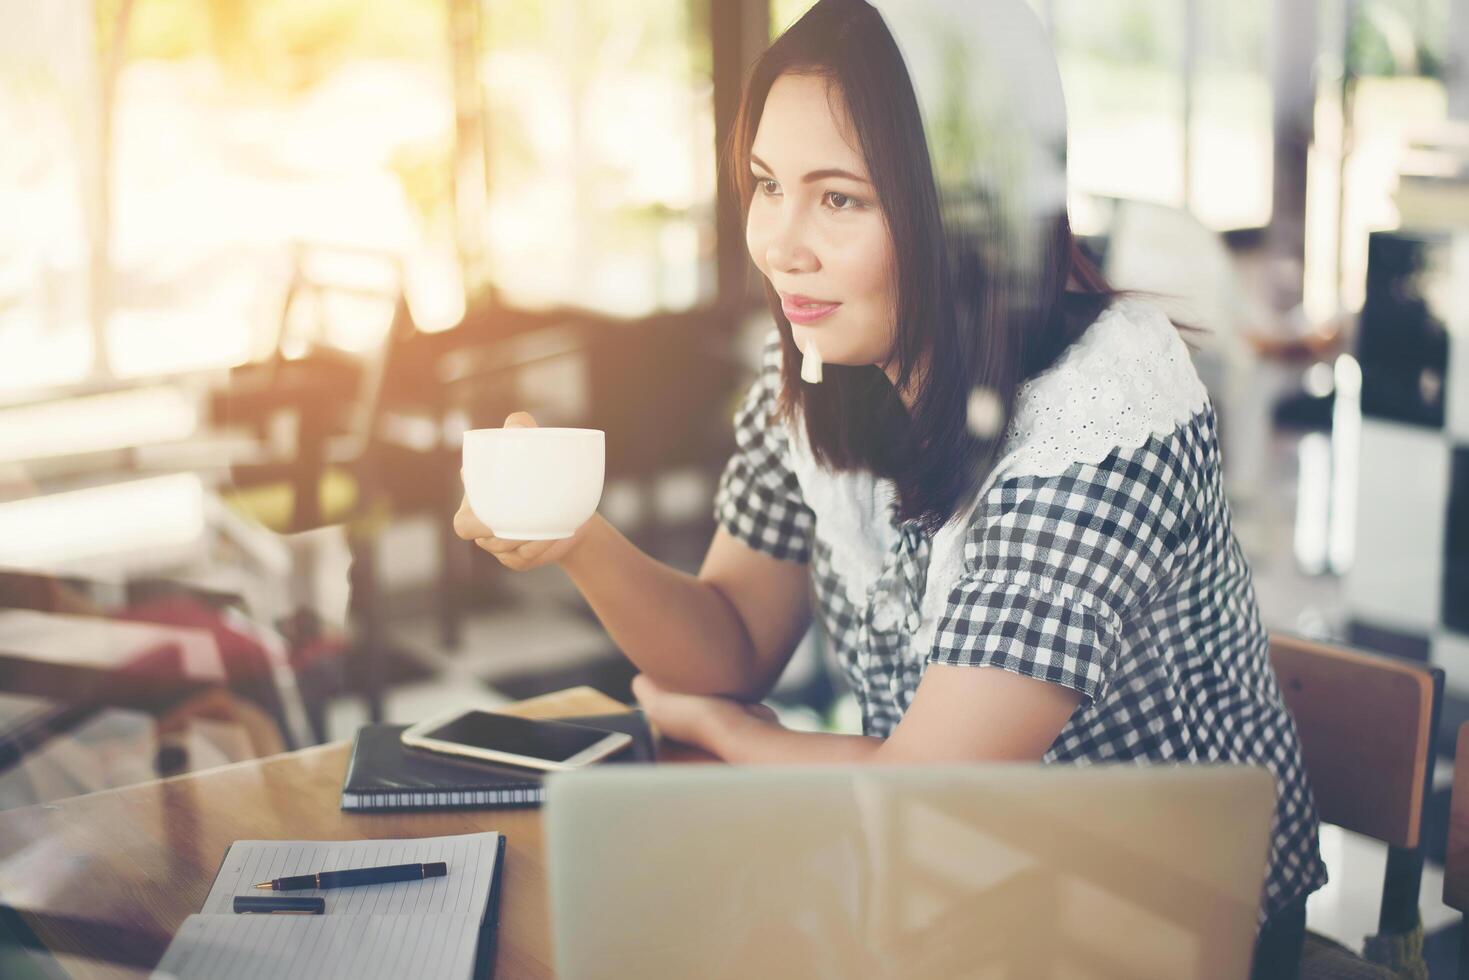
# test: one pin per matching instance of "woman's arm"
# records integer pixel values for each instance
(730, 630)
(958, 714)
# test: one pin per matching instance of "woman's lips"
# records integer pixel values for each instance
(803, 310)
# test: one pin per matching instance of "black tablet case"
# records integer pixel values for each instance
(385, 774)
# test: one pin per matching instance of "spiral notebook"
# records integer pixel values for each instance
(384, 774)
(438, 927)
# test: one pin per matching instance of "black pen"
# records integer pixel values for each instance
(289, 906)
(358, 876)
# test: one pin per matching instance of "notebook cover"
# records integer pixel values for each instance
(489, 930)
(382, 765)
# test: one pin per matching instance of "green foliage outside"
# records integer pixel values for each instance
(1399, 37)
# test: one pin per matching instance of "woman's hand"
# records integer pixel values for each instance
(518, 555)
(696, 719)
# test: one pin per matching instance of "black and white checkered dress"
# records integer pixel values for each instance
(1099, 556)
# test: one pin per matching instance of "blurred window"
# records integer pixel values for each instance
(1132, 132)
(239, 129)
(1149, 123)
(601, 153)
(48, 85)
(1231, 134)
(1121, 67)
(1381, 87)
(243, 128)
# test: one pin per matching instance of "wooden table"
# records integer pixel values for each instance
(111, 876)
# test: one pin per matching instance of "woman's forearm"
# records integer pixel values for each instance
(750, 741)
(678, 630)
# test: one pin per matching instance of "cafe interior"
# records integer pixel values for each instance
(263, 263)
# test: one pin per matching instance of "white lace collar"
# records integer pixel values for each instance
(1127, 379)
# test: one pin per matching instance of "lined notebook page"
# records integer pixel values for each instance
(313, 947)
(429, 927)
(463, 891)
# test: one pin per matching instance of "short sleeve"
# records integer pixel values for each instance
(1054, 567)
(759, 498)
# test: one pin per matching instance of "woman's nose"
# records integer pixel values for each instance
(787, 248)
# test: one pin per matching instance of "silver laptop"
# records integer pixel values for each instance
(1012, 871)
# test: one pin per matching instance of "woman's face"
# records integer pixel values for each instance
(815, 229)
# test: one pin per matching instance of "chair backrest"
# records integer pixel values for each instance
(1366, 724)
(1456, 861)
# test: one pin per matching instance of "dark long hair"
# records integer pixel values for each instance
(957, 316)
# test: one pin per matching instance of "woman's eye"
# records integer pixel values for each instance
(838, 201)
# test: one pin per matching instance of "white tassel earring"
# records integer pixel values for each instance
(811, 364)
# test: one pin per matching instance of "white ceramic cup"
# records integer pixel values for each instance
(533, 484)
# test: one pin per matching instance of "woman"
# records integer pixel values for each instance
(1005, 464)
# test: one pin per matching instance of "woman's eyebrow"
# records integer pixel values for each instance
(815, 174)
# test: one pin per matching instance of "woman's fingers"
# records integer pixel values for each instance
(530, 553)
(533, 549)
(762, 711)
(516, 555)
(521, 559)
(497, 546)
(469, 527)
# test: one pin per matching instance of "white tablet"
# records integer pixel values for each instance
(551, 745)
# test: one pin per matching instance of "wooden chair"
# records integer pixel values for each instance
(1456, 862)
(1366, 724)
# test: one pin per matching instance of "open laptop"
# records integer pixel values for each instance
(1013, 871)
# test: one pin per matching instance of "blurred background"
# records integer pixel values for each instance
(262, 262)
